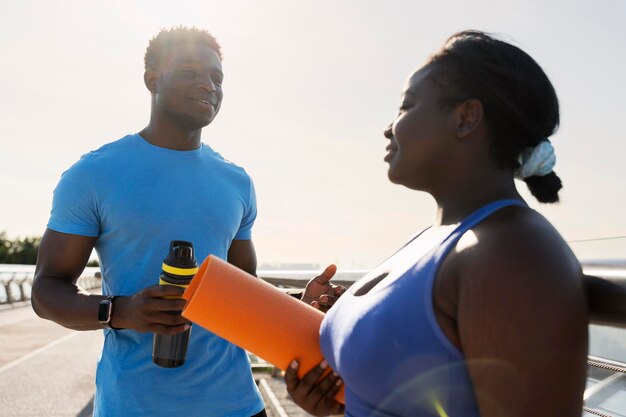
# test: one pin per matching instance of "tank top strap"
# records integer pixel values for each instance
(472, 220)
(484, 212)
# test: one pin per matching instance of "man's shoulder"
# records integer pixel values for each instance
(223, 163)
(105, 154)
(99, 162)
(112, 149)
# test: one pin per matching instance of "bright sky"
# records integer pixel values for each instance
(309, 87)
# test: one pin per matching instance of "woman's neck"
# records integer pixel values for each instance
(464, 197)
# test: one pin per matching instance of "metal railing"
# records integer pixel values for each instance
(605, 377)
(15, 287)
(16, 283)
(611, 382)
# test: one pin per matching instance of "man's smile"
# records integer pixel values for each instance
(204, 103)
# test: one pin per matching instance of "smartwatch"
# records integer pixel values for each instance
(105, 312)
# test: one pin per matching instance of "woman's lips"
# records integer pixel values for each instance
(391, 151)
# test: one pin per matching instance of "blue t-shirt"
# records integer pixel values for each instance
(135, 198)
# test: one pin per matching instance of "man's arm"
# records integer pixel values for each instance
(55, 295)
(243, 255)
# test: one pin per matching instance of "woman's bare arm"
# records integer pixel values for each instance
(522, 320)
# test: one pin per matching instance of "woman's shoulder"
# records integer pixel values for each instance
(516, 248)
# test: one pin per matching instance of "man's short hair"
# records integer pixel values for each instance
(168, 40)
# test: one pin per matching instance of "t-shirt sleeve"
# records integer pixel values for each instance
(249, 216)
(74, 206)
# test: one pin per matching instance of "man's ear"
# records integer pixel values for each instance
(469, 116)
(150, 78)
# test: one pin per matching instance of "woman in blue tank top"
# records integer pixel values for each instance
(473, 314)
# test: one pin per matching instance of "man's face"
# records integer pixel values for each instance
(188, 86)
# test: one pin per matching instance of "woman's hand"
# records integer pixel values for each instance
(320, 293)
(314, 394)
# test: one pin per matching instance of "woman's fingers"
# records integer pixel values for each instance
(291, 376)
(314, 392)
(328, 386)
(326, 275)
(327, 300)
(311, 377)
(317, 386)
(327, 401)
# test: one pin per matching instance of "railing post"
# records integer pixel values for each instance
(20, 287)
(25, 281)
(15, 285)
(7, 294)
(7, 288)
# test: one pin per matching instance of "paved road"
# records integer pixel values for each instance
(45, 369)
(48, 371)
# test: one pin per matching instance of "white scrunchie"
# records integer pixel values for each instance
(537, 161)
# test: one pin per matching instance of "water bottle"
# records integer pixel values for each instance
(169, 351)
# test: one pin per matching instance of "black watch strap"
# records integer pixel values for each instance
(105, 312)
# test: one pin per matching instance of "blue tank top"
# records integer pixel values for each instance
(387, 345)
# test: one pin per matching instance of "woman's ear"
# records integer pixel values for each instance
(469, 116)
(150, 78)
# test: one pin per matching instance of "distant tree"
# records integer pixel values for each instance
(19, 251)
(93, 262)
(5, 246)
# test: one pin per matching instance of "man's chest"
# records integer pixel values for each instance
(158, 203)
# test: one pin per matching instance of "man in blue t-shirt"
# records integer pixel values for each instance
(128, 200)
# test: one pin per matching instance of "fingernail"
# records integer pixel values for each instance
(339, 382)
(294, 365)
(187, 327)
(324, 364)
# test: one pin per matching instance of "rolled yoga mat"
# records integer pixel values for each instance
(255, 316)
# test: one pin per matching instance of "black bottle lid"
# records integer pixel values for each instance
(181, 255)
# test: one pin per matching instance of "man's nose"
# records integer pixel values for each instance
(207, 84)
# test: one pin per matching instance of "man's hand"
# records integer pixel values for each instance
(148, 311)
(320, 293)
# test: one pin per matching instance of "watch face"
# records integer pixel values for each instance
(104, 311)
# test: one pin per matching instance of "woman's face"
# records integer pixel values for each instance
(419, 135)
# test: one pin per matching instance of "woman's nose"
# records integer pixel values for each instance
(388, 131)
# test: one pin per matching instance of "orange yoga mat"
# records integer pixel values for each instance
(255, 315)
